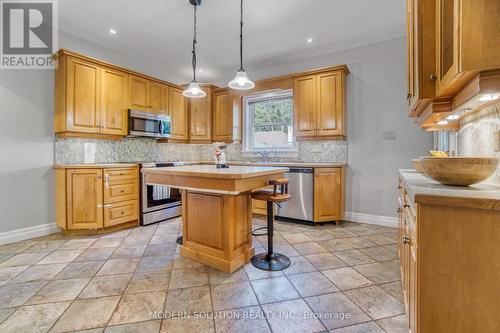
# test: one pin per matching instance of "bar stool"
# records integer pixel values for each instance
(271, 261)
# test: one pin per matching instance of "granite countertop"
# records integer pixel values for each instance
(210, 171)
(95, 165)
(423, 190)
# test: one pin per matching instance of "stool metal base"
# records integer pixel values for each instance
(270, 262)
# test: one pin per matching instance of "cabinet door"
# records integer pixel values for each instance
(223, 117)
(304, 106)
(159, 97)
(200, 118)
(410, 44)
(447, 45)
(413, 292)
(330, 104)
(177, 106)
(84, 198)
(83, 96)
(328, 192)
(114, 94)
(139, 93)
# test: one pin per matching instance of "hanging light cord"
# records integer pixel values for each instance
(194, 46)
(241, 38)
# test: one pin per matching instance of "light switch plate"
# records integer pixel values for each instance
(389, 135)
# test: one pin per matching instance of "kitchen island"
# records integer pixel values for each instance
(216, 209)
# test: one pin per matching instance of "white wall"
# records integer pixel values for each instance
(376, 102)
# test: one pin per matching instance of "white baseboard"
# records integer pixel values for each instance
(385, 221)
(27, 233)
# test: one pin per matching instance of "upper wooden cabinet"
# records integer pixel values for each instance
(90, 99)
(222, 116)
(421, 43)
(450, 42)
(140, 93)
(114, 94)
(200, 117)
(178, 109)
(319, 105)
(158, 97)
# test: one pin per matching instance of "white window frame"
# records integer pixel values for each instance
(248, 149)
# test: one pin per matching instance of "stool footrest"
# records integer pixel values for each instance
(254, 232)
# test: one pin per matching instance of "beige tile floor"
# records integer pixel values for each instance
(343, 279)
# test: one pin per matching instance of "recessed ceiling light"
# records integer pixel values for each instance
(201, 69)
(453, 117)
(489, 97)
(113, 31)
(442, 122)
(309, 40)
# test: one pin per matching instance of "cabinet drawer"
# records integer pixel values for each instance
(121, 213)
(124, 190)
(117, 174)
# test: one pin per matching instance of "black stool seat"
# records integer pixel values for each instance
(271, 261)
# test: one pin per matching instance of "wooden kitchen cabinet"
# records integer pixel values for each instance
(91, 199)
(140, 93)
(328, 194)
(114, 106)
(200, 117)
(222, 117)
(178, 109)
(319, 105)
(91, 100)
(158, 97)
(421, 50)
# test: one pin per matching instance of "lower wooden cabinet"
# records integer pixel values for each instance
(448, 249)
(96, 198)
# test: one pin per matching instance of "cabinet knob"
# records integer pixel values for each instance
(406, 240)
(406, 206)
(433, 77)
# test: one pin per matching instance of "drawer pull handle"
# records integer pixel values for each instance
(121, 191)
(122, 213)
(106, 178)
(104, 206)
(406, 206)
(406, 240)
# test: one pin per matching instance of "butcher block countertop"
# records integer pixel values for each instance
(210, 171)
(95, 166)
(423, 190)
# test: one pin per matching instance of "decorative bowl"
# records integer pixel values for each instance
(459, 171)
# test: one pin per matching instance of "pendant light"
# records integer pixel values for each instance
(241, 81)
(194, 90)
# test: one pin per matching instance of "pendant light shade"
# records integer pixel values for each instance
(194, 90)
(241, 80)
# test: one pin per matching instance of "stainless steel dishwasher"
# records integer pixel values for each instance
(301, 189)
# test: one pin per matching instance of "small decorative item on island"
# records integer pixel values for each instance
(219, 155)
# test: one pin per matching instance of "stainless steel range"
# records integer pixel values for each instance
(159, 202)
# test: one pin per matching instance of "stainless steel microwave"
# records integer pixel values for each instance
(148, 124)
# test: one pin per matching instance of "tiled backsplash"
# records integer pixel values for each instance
(478, 135)
(68, 151)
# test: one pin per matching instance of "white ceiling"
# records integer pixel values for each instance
(160, 31)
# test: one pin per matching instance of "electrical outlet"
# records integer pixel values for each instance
(390, 135)
(315, 148)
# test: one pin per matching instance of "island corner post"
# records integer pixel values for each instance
(216, 210)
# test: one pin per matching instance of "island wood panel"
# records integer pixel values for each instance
(114, 105)
(216, 229)
(84, 199)
(83, 96)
